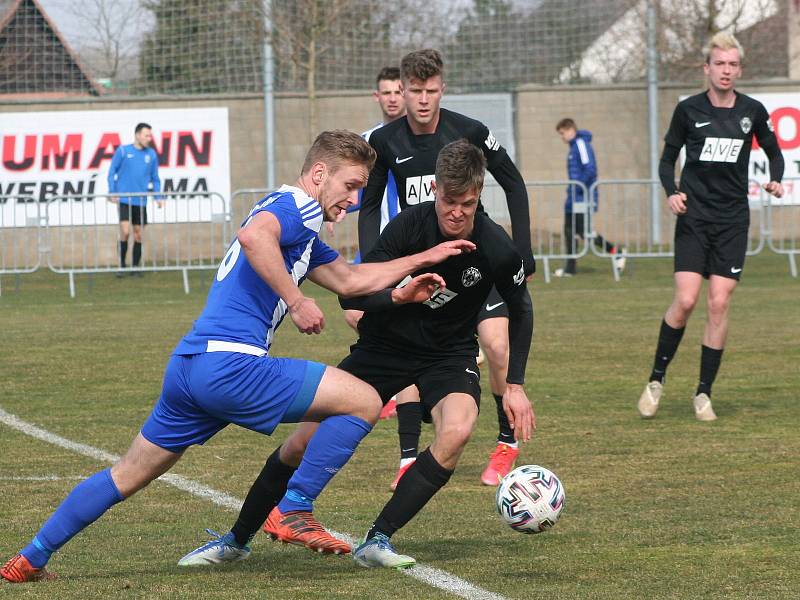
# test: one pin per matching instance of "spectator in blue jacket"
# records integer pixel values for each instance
(134, 168)
(582, 167)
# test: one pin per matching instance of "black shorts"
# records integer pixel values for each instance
(710, 248)
(495, 306)
(390, 372)
(135, 214)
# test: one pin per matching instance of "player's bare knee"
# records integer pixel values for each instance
(369, 407)
(496, 351)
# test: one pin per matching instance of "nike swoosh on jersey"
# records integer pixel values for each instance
(703, 124)
(473, 372)
(493, 306)
(399, 160)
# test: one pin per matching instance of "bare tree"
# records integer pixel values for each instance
(111, 36)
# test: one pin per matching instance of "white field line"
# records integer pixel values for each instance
(430, 575)
(45, 478)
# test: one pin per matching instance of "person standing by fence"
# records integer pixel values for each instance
(134, 168)
(582, 167)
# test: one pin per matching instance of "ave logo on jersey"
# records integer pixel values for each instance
(470, 277)
(440, 297)
(419, 189)
(746, 124)
(520, 276)
(491, 142)
(721, 149)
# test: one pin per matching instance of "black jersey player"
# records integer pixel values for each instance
(433, 348)
(407, 149)
(717, 128)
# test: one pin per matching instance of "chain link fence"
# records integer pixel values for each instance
(182, 47)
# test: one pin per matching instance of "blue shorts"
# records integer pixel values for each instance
(202, 393)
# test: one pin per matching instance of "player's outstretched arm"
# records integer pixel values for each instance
(415, 290)
(368, 278)
(260, 240)
(510, 179)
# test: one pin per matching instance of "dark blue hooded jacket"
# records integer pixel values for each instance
(581, 166)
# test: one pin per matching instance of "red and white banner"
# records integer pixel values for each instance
(784, 111)
(50, 154)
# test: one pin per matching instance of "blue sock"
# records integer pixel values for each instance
(329, 449)
(85, 504)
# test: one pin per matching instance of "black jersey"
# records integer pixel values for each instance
(718, 143)
(411, 159)
(444, 324)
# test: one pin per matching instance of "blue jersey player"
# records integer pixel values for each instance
(134, 168)
(221, 371)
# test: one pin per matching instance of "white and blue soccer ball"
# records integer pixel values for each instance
(530, 499)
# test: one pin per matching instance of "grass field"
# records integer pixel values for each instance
(668, 508)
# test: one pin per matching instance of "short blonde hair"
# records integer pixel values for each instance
(723, 41)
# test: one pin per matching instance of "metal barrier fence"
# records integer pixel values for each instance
(783, 222)
(185, 231)
(80, 233)
(546, 200)
(20, 235)
(626, 218)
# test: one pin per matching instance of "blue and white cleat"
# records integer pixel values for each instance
(378, 551)
(222, 549)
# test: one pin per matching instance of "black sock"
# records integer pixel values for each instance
(709, 365)
(264, 495)
(505, 433)
(409, 428)
(422, 480)
(137, 253)
(123, 253)
(668, 341)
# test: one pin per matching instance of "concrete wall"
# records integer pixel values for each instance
(616, 115)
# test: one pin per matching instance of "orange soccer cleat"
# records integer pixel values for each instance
(400, 472)
(389, 410)
(299, 527)
(500, 464)
(19, 570)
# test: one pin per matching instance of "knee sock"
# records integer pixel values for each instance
(123, 253)
(267, 489)
(668, 341)
(409, 428)
(422, 480)
(709, 365)
(137, 253)
(505, 433)
(330, 448)
(83, 506)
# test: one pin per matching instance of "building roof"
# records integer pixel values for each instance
(35, 59)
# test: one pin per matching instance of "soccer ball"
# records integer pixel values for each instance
(530, 499)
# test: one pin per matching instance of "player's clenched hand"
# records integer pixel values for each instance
(419, 289)
(677, 203)
(774, 188)
(519, 411)
(445, 250)
(307, 316)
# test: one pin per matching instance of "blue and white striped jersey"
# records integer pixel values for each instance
(390, 204)
(241, 307)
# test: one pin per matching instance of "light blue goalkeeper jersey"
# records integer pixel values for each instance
(133, 170)
(241, 308)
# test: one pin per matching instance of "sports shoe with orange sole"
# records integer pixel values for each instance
(400, 472)
(19, 570)
(389, 410)
(501, 461)
(299, 527)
